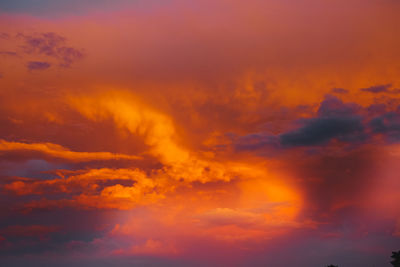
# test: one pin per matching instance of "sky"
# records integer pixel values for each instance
(199, 133)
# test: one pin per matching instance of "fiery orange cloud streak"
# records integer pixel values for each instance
(60, 152)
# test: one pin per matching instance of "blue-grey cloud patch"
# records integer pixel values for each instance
(387, 124)
(38, 7)
(320, 131)
(348, 123)
(55, 8)
(335, 120)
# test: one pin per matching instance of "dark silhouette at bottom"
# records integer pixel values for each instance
(396, 258)
(395, 262)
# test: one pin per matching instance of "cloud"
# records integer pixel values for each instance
(376, 89)
(387, 124)
(37, 65)
(52, 45)
(332, 106)
(340, 91)
(256, 141)
(92, 189)
(158, 132)
(129, 113)
(54, 151)
(335, 120)
(194, 72)
(320, 131)
(348, 123)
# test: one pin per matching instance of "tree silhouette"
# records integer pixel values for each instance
(332, 265)
(396, 258)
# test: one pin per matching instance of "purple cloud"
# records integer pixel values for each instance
(384, 88)
(51, 45)
(333, 106)
(37, 65)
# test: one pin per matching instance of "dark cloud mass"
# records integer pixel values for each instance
(335, 120)
(332, 106)
(348, 123)
(387, 124)
(319, 131)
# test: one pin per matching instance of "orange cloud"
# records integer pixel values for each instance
(156, 128)
(96, 188)
(59, 152)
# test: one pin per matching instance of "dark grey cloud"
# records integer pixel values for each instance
(348, 123)
(387, 124)
(335, 120)
(55, 8)
(322, 130)
(376, 109)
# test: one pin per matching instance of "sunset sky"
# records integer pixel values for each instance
(199, 133)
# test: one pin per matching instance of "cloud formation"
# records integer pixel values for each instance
(37, 65)
(347, 123)
(199, 133)
(384, 88)
(52, 45)
(58, 152)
